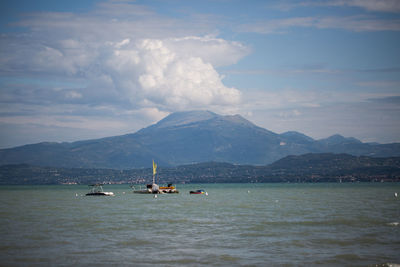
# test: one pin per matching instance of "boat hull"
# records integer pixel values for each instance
(155, 189)
(156, 192)
(100, 194)
(198, 192)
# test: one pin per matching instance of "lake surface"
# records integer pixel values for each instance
(236, 224)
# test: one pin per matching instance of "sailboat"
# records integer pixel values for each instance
(155, 188)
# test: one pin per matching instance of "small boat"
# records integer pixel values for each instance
(197, 192)
(97, 190)
(140, 190)
(154, 188)
(170, 189)
(149, 189)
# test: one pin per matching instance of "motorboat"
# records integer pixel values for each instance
(198, 192)
(169, 189)
(97, 190)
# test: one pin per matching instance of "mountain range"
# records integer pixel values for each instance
(187, 138)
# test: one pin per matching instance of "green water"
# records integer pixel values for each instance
(235, 225)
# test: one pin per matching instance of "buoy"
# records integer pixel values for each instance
(248, 191)
(395, 194)
(76, 194)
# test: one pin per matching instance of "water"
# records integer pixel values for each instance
(236, 224)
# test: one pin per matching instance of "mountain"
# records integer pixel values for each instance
(297, 137)
(186, 138)
(337, 139)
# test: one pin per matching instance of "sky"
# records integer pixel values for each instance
(76, 70)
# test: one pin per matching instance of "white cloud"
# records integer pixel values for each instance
(117, 61)
(73, 95)
(277, 25)
(216, 51)
(390, 6)
(152, 74)
(358, 23)
(180, 81)
(371, 5)
(366, 18)
(285, 98)
(289, 114)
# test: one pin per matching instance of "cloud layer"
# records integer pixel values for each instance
(170, 73)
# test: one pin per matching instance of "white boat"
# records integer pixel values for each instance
(97, 190)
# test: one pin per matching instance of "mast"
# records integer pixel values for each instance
(154, 171)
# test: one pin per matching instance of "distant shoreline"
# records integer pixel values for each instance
(309, 168)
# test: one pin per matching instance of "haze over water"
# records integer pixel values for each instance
(236, 224)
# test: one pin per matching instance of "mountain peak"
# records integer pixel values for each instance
(185, 117)
(237, 119)
(297, 137)
(339, 139)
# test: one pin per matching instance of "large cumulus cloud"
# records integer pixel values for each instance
(157, 73)
(163, 73)
(130, 66)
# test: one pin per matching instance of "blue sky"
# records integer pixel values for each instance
(73, 70)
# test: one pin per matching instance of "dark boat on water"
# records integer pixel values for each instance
(97, 190)
(198, 192)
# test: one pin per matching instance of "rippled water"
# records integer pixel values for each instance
(236, 224)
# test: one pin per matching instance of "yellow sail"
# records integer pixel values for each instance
(154, 168)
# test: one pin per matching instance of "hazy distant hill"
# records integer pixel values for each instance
(189, 137)
(326, 167)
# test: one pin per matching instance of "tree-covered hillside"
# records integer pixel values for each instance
(304, 168)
